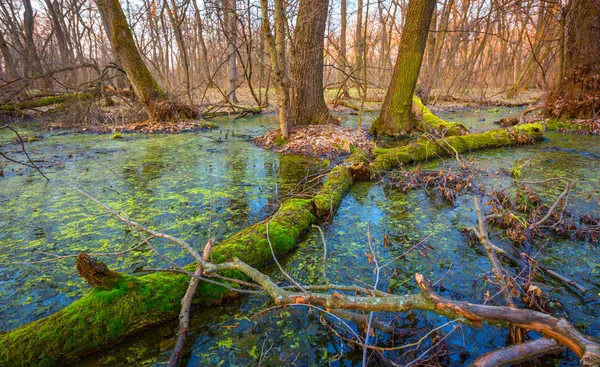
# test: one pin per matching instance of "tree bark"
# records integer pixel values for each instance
(231, 25)
(307, 99)
(396, 117)
(277, 53)
(155, 101)
(578, 95)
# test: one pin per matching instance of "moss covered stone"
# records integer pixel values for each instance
(423, 149)
(103, 317)
(328, 199)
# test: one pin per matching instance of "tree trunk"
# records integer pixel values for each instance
(578, 95)
(307, 100)
(155, 101)
(396, 117)
(183, 53)
(358, 45)
(437, 52)
(33, 61)
(277, 53)
(231, 25)
(9, 62)
(343, 57)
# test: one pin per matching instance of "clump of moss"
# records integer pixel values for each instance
(279, 140)
(117, 135)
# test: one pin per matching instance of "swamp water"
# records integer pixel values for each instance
(191, 186)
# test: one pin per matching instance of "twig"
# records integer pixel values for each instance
(568, 187)
(325, 280)
(31, 164)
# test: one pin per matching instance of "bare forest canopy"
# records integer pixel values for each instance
(208, 51)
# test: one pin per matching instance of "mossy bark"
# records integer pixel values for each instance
(328, 199)
(428, 121)
(156, 103)
(45, 101)
(105, 316)
(396, 117)
(423, 149)
(339, 181)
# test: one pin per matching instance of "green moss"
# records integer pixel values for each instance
(103, 317)
(553, 124)
(279, 140)
(429, 120)
(328, 199)
(424, 149)
(43, 101)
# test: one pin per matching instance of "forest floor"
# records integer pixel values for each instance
(92, 115)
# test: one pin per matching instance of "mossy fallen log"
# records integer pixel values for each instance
(339, 181)
(429, 121)
(328, 199)
(424, 149)
(103, 317)
(44, 101)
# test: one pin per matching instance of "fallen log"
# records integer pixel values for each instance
(519, 353)
(44, 101)
(424, 149)
(431, 122)
(339, 181)
(103, 317)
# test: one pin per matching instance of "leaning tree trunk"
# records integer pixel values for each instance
(396, 117)
(578, 95)
(307, 100)
(153, 98)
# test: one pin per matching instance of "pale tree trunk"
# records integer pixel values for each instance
(358, 45)
(155, 101)
(439, 44)
(396, 116)
(203, 51)
(276, 46)
(183, 54)
(343, 57)
(307, 100)
(231, 25)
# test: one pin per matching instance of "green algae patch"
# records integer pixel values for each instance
(567, 126)
(423, 149)
(429, 120)
(104, 317)
(328, 199)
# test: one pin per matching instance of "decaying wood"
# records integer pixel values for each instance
(95, 272)
(518, 353)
